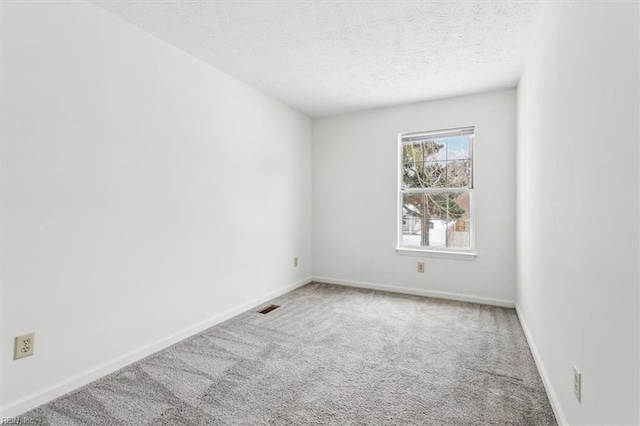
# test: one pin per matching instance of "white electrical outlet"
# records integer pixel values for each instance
(577, 383)
(421, 267)
(295, 262)
(24, 346)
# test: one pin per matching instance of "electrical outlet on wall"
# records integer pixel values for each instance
(24, 346)
(295, 262)
(577, 383)
(421, 267)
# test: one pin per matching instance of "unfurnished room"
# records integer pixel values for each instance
(319, 212)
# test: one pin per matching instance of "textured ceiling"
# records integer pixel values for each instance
(328, 57)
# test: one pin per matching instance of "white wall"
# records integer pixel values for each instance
(144, 194)
(578, 208)
(355, 183)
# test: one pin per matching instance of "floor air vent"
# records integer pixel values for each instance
(269, 309)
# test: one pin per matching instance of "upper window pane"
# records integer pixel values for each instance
(429, 174)
(437, 163)
(427, 150)
(458, 174)
(458, 148)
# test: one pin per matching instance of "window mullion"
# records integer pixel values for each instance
(434, 190)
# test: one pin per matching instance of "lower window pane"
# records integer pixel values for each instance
(424, 219)
(459, 236)
(437, 220)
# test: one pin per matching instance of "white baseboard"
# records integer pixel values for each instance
(555, 403)
(418, 292)
(56, 390)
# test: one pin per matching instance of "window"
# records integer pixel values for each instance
(436, 191)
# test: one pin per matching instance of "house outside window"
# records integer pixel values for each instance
(436, 191)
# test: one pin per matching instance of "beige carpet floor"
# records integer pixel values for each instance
(329, 355)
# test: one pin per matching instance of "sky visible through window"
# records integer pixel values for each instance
(458, 149)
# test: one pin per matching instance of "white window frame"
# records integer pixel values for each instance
(467, 254)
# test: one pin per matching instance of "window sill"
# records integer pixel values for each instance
(462, 255)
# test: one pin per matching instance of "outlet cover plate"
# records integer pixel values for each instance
(24, 346)
(577, 383)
